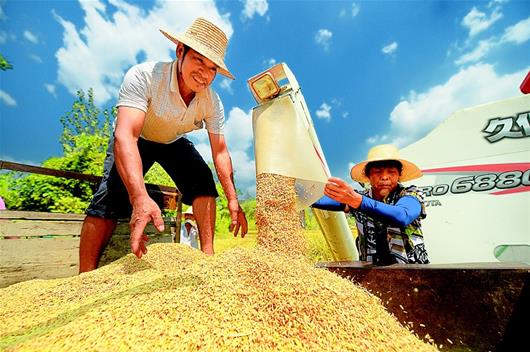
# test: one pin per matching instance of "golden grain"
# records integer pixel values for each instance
(277, 220)
(269, 298)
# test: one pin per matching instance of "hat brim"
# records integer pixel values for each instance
(201, 49)
(409, 172)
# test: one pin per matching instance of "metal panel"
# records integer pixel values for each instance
(464, 307)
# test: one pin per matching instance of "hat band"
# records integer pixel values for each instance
(204, 50)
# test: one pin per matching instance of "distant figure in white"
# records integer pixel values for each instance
(189, 233)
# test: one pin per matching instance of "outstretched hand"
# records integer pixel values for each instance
(239, 220)
(342, 192)
(145, 210)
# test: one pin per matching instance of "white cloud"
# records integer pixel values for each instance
(515, 34)
(477, 21)
(131, 32)
(355, 8)
(390, 48)
(31, 37)
(253, 7)
(238, 130)
(496, 2)
(240, 137)
(269, 62)
(7, 99)
(414, 117)
(324, 112)
(2, 13)
(51, 89)
(323, 37)
(226, 84)
(353, 11)
(484, 46)
(3, 37)
(336, 102)
(377, 139)
(518, 33)
(36, 58)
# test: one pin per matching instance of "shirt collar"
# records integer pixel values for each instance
(173, 80)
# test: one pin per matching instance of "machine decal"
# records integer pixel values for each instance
(508, 127)
(496, 179)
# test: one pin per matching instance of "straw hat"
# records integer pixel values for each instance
(188, 211)
(207, 39)
(385, 152)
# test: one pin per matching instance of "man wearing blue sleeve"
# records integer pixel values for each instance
(388, 215)
(159, 102)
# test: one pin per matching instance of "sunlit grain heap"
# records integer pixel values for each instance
(277, 220)
(177, 299)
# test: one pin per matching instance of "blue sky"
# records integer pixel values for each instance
(371, 71)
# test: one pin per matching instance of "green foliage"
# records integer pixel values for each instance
(318, 249)
(6, 180)
(229, 242)
(158, 176)
(223, 219)
(84, 141)
(40, 193)
(84, 119)
(4, 64)
(310, 220)
(249, 207)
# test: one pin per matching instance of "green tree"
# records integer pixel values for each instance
(249, 206)
(85, 135)
(158, 176)
(223, 219)
(4, 64)
(84, 140)
(84, 119)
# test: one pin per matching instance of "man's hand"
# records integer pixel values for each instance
(238, 218)
(342, 192)
(145, 210)
(223, 165)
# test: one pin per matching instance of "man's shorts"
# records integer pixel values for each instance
(179, 159)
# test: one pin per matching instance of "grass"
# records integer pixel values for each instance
(225, 243)
(318, 248)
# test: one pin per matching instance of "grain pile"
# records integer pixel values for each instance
(277, 220)
(177, 299)
(268, 298)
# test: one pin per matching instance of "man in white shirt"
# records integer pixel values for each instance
(158, 103)
(188, 230)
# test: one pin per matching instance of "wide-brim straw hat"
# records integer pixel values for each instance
(207, 39)
(385, 152)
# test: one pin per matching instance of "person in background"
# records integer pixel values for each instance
(188, 230)
(159, 102)
(388, 214)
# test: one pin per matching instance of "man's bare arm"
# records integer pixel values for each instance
(129, 164)
(223, 166)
